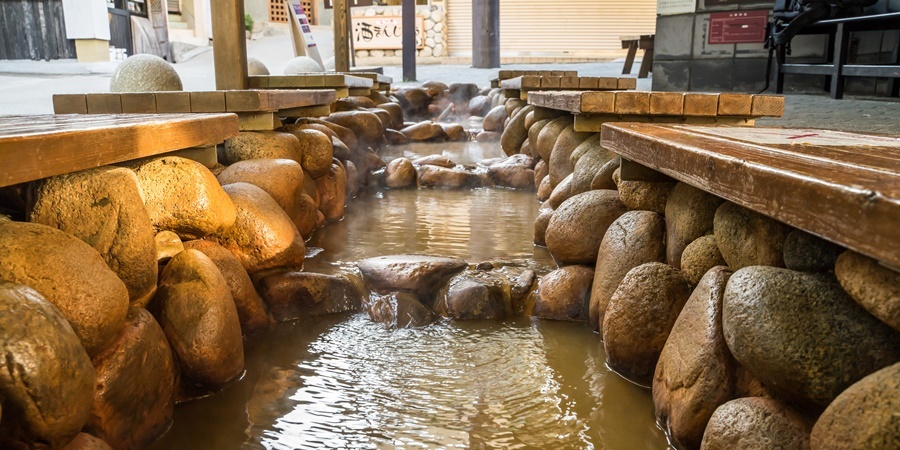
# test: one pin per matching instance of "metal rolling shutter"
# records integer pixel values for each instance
(554, 27)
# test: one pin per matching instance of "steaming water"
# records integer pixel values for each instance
(345, 382)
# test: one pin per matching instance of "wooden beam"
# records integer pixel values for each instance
(229, 44)
(341, 36)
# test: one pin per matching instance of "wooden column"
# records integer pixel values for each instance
(486, 34)
(229, 44)
(409, 40)
(341, 36)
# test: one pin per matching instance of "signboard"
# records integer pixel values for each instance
(301, 33)
(738, 27)
(384, 32)
(670, 7)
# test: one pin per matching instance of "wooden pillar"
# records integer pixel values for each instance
(229, 44)
(341, 36)
(409, 40)
(486, 34)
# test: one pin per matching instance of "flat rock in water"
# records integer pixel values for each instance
(418, 274)
(400, 173)
(486, 293)
(294, 295)
(434, 160)
(434, 176)
(399, 310)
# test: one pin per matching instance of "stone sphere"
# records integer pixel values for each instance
(145, 73)
(256, 67)
(302, 64)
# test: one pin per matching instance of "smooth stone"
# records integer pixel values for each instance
(282, 179)
(184, 196)
(802, 335)
(295, 295)
(302, 65)
(454, 132)
(603, 179)
(563, 294)
(434, 160)
(418, 274)
(366, 125)
(545, 191)
(400, 173)
(399, 310)
(560, 160)
(541, 222)
(577, 228)
(256, 67)
(488, 136)
(394, 109)
(486, 293)
(694, 374)
(700, 256)
(460, 93)
(84, 441)
(808, 253)
(689, 215)
(746, 238)
(562, 192)
(332, 188)
(144, 73)
(873, 286)
(546, 139)
(755, 423)
(316, 151)
(541, 170)
(495, 119)
(514, 133)
(434, 176)
(591, 161)
(168, 244)
(478, 106)
(422, 131)
(262, 145)
(68, 273)
(645, 195)
(635, 238)
(513, 172)
(353, 181)
(48, 381)
(395, 137)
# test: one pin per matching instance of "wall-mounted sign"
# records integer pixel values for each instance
(384, 32)
(670, 7)
(738, 27)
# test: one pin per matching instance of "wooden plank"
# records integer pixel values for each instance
(364, 92)
(667, 103)
(69, 104)
(626, 83)
(258, 121)
(843, 187)
(594, 123)
(139, 103)
(230, 51)
(104, 103)
(341, 34)
(732, 104)
(767, 106)
(628, 102)
(306, 111)
(608, 83)
(551, 82)
(173, 102)
(588, 83)
(560, 100)
(701, 104)
(66, 143)
(208, 102)
(598, 102)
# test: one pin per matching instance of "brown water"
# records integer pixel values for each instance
(346, 382)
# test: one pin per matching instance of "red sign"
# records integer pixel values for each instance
(738, 27)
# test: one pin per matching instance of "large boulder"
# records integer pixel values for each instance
(250, 307)
(515, 133)
(399, 310)
(400, 173)
(747, 238)
(639, 317)
(694, 374)
(103, 207)
(184, 196)
(700, 256)
(144, 73)
(755, 423)
(863, 417)
(68, 273)
(564, 293)
(261, 145)
(418, 274)
(801, 334)
(198, 315)
(635, 238)
(578, 225)
(294, 295)
(48, 380)
(546, 139)
(282, 179)
(561, 164)
(332, 188)
(486, 294)
(263, 236)
(135, 395)
(875, 287)
(689, 215)
(316, 151)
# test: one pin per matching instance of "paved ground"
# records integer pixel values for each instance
(27, 87)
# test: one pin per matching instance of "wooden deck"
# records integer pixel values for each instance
(843, 187)
(35, 147)
(343, 84)
(522, 87)
(507, 74)
(237, 101)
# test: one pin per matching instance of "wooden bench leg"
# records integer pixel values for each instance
(841, 46)
(629, 58)
(646, 63)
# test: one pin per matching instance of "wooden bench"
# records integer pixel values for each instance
(843, 187)
(835, 68)
(594, 108)
(507, 74)
(519, 87)
(633, 43)
(380, 82)
(256, 109)
(40, 146)
(344, 85)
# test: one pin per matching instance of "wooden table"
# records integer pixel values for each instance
(35, 147)
(633, 43)
(520, 87)
(843, 187)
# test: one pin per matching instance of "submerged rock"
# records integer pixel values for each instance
(418, 274)
(399, 310)
(434, 176)
(513, 172)
(294, 295)
(563, 294)
(400, 173)
(486, 293)
(434, 160)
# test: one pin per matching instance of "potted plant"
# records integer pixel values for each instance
(248, 25)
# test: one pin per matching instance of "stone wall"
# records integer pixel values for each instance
(435, 34)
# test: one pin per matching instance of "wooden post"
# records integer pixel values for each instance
(341, 36)
(409, 40)
(229, 44)
(486, 34)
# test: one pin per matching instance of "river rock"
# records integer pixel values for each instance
(495, 119)
(541, 170)
(589, 164)
(48, 380)
(309, 215)
(346, 135)
(332, 188)
(184, 196)
(604, 177)
(399, 310)
(560, 160)
(263, 235)
(168, 244)
(454, 132)
(801, 334)
(395, 111)
(487, 136)
(316, 151)
(700, 256)
(639, 317)
(434, 176)
(250, 308)
(645, 195)
(198, 315)
(544, 190)
(366, 125)
(689, 215)
(808, 253)
(541, 222)
(514, 133)
(534, 131)
(262, 145)
(755, 423)
(434, 160)
(863, 417)
(747, 238)
(400, 173)
(103, 207)
(282, 179)
(694, 373)
(478, 106)
(422, 131)
(875, 287)
(135, 395)
(576, 229)
(635, 238)
(460, 93)
(513, 172)
(68, 273)
(144, 73)
(395, 137)
(589, 145)
(562, 192)
(415, 100)
(294, 295)
(486, 294)
(546, 139)
(418, 274)
(84, 441)
(564, 293)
